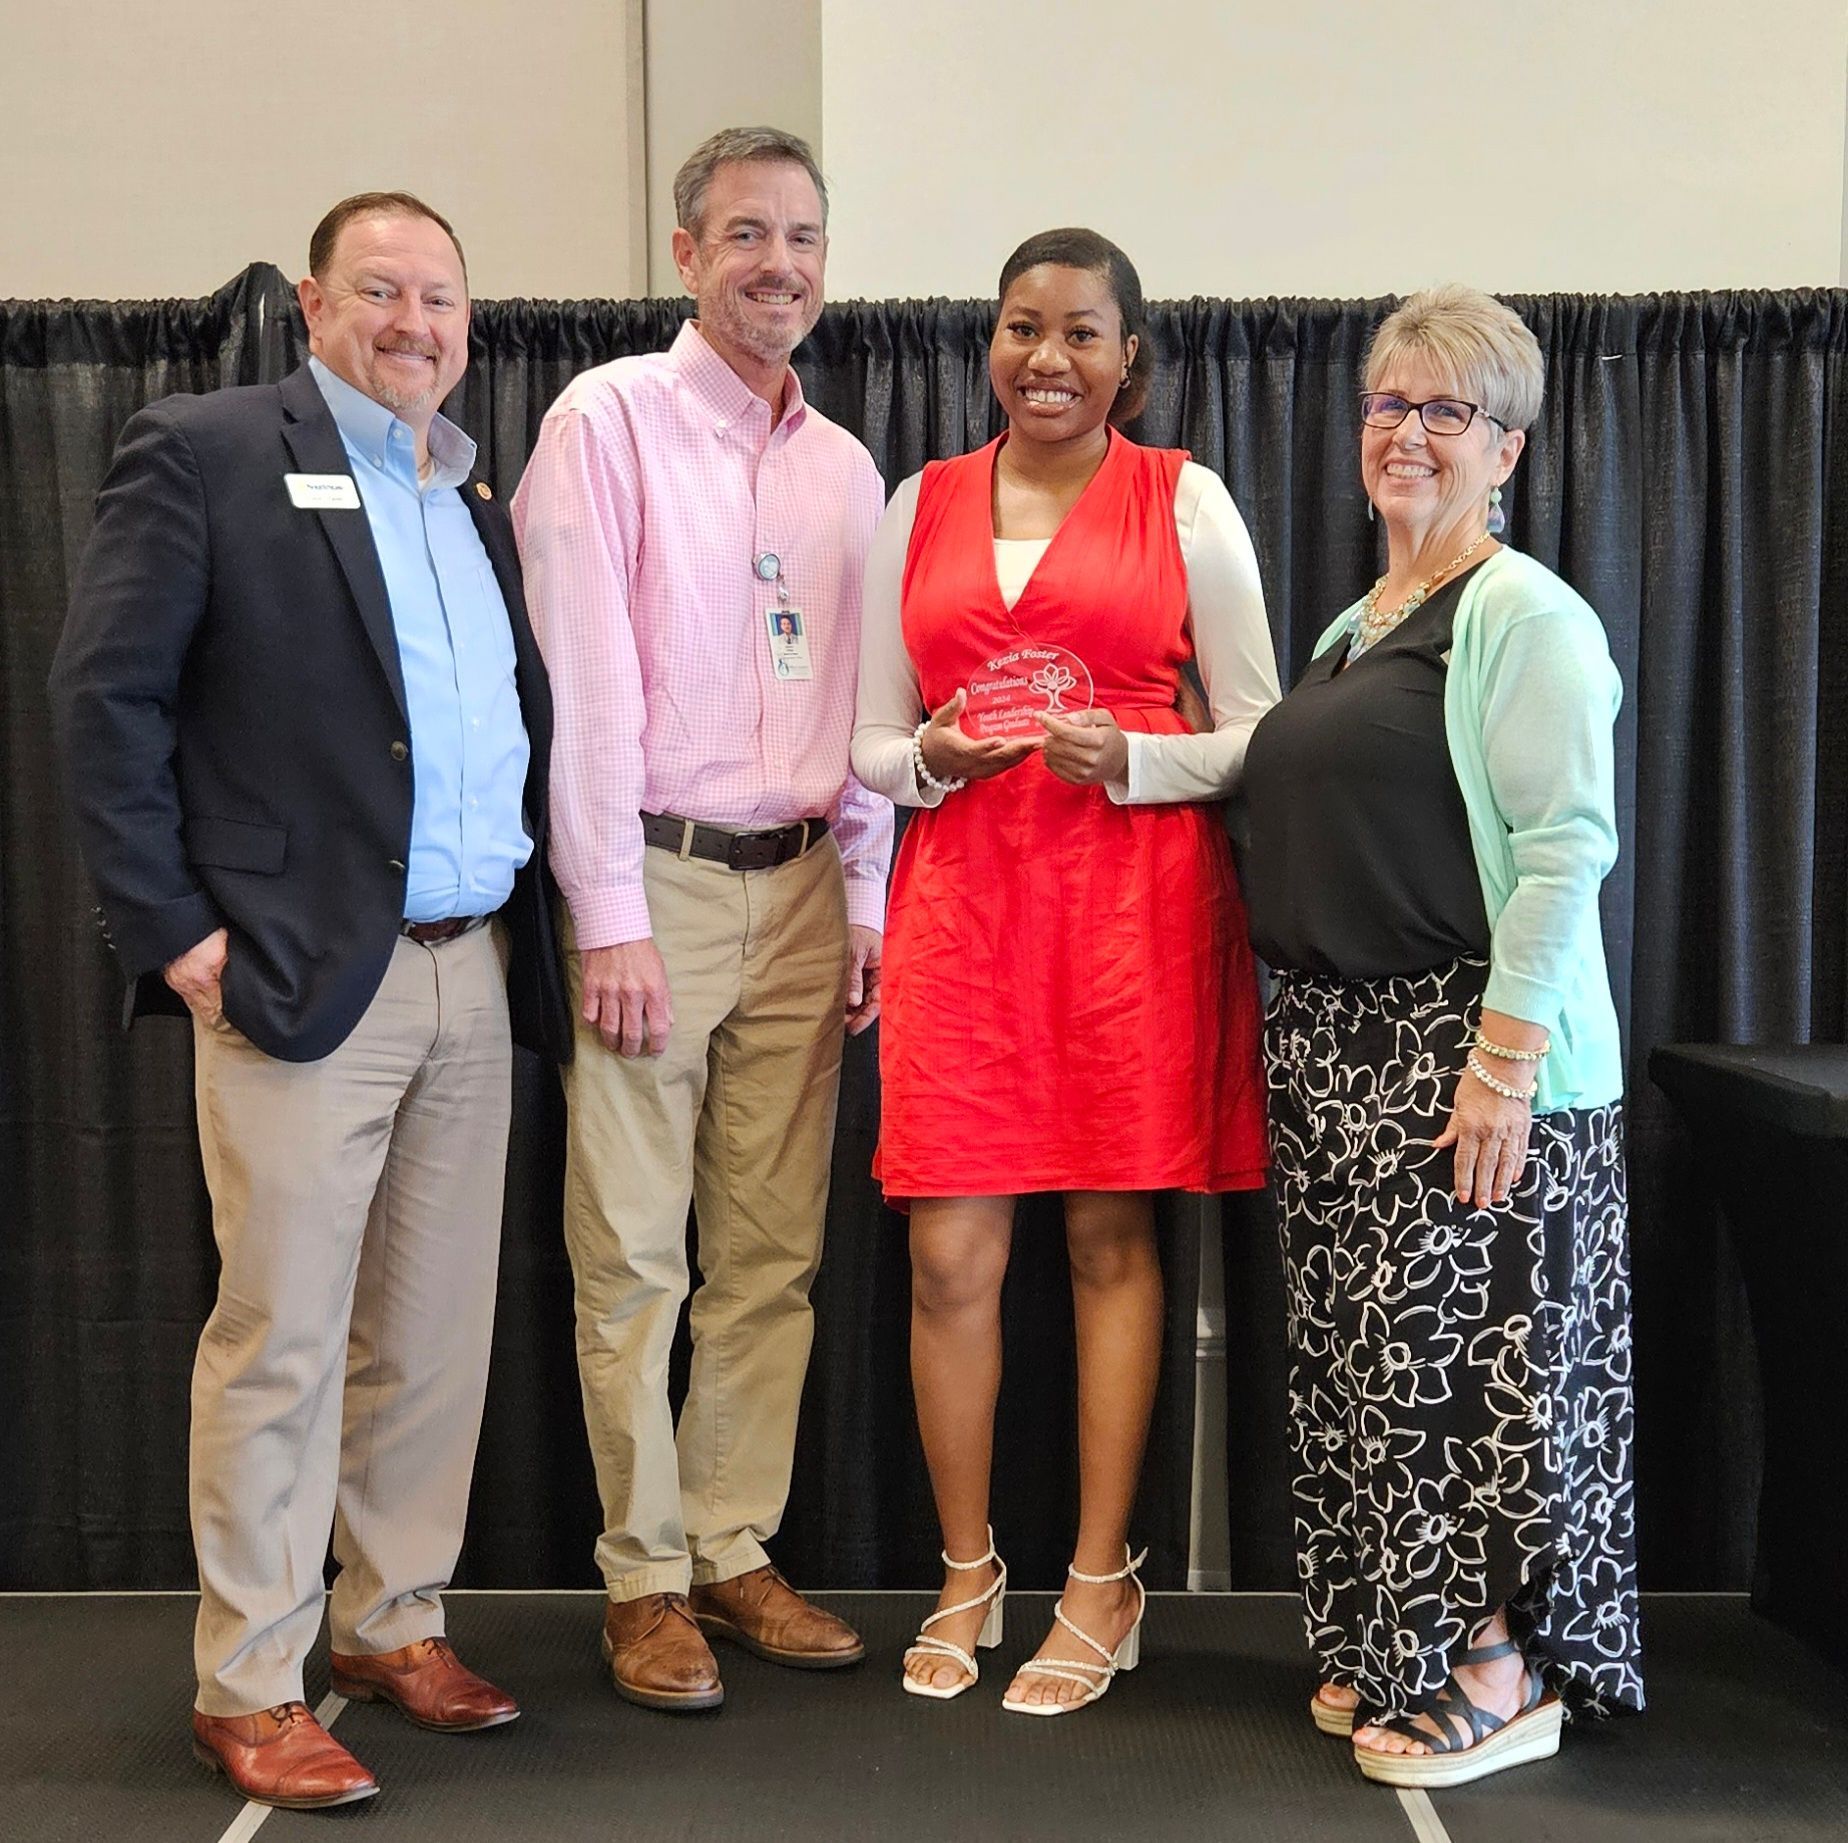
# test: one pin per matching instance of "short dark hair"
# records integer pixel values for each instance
(373, 205)
(731, 147)
(1076, 248)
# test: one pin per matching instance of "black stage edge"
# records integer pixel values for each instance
(1768, 1132)
(1747, 1738)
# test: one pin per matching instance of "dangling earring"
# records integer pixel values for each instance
(1369, 511)
(1498, 519)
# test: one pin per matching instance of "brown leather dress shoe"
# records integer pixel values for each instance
(281, 1756)
(656, 1655)
(764, 1614)
(427, 1682)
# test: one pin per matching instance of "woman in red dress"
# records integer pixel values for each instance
(1069, 1000)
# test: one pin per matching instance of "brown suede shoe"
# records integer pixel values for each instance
(657, 1656)
(764, 1614)
(281, 1756)
(427, 1682)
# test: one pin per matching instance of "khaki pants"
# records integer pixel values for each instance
(737, 1116)
(356, 1202)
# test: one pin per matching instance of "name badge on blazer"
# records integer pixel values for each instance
(322, 492)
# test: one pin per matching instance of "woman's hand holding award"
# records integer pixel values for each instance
(1044, 691)
(1086, 747)
(952, 754)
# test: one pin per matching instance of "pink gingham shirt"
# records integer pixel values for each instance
(656, 484)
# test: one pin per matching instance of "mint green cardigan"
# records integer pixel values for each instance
(1529, 706)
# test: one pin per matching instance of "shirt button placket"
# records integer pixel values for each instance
(779, 734)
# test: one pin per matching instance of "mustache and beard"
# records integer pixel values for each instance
(395, 396)
(740, 321)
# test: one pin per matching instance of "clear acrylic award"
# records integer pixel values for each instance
(1011, 692)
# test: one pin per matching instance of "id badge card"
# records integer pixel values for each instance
(322, 492)
(789, 647)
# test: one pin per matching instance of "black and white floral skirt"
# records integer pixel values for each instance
(1460, 1399)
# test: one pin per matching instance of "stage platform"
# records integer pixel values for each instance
(1746, 1741)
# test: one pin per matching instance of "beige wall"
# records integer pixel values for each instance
(1844, 273)
(156, 147)
(722, 64)
(1233, 148)
(1334, 148)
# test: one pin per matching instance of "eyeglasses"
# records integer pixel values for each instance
(1380, 409)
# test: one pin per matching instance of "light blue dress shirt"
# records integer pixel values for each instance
(469, 748)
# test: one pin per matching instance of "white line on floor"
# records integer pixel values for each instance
(247, 1823)
(1421, 1814)
(253, 1816)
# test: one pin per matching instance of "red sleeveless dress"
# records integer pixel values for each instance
(1069, 1000)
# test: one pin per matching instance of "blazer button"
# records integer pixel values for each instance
(399, 751)
(394, 863)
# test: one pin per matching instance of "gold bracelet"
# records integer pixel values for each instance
(1513, 1055)
(1474, 1065)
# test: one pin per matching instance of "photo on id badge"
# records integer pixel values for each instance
(789, 651)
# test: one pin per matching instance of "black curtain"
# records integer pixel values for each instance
(1687, 475)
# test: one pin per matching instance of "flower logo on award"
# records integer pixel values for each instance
(1054, 680)
(1010, 693)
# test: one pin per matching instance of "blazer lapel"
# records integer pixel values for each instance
(314, 441)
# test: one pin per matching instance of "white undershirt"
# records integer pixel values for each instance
(1015, 561)
(1231, 636)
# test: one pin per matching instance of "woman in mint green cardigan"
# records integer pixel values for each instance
(1431, 818)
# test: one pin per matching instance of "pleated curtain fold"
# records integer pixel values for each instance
(1688, 474)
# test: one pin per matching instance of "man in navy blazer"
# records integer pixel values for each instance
(306, 730)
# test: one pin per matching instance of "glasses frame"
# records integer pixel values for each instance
(1475, 410)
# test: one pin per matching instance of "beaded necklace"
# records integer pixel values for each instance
(1369, 625)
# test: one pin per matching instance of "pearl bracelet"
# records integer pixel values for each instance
(1513, 1055)
(1477, 1068)
(924, 776)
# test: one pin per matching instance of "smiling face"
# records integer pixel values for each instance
(1058, 354)
(756, 266)
(1433, 483)
(390, 313)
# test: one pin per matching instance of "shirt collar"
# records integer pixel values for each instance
(720, 390)
(366, 425)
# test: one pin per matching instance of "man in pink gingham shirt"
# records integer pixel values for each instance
(693, 535)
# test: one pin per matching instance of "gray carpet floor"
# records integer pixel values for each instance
(1746, 1741)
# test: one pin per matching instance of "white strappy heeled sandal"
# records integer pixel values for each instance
(986, 1639)
(1094, 1678)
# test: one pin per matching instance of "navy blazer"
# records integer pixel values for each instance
(230, 715)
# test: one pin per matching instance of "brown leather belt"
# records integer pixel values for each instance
(430, 934)
(735, 850)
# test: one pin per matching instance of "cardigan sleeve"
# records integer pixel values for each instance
(1550, 702)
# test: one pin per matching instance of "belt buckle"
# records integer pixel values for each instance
(752, 851)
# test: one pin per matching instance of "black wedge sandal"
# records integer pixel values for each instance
(1470, 1742)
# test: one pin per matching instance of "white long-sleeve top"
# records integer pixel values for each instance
(1231, 635)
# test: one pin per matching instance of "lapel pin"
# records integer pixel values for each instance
(484, 489)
